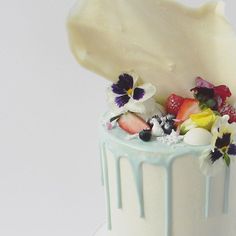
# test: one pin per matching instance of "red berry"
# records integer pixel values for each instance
(189, 106)
(132, 123)
(227, 109)
(174, 103)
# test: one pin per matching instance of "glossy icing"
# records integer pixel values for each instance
(226, 191)
(137, 153)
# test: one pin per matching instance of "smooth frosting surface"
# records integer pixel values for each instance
(166, 43)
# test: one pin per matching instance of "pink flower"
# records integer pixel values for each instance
(210, 95)
(223, 92)
(201, 83)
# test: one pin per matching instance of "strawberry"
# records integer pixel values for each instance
(132, 123)
(189, 106)
(227, 109)
(173, 104)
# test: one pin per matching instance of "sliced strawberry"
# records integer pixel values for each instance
(227, 109)
(189, 106)
(174, 103)
(132, 123)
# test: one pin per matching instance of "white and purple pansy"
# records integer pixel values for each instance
(224, 140)
(223, 147)
(126, 90)
(126, 94)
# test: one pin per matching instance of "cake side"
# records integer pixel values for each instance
(162, 191)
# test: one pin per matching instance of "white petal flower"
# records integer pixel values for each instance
(207, 167)
(223, 147)
(125, 95)
(222, 126)
(150, 91)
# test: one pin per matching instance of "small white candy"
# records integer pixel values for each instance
(198, 136)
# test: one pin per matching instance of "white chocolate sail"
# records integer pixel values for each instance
(166, 43)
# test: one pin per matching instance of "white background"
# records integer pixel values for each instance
(49, 114)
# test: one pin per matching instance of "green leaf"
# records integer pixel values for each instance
(203, 106)
(217, 113)
(227, 159)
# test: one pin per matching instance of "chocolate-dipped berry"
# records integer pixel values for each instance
(158, 118)
(167, 123)
(168, 126)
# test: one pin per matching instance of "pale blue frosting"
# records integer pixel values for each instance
(138, 152)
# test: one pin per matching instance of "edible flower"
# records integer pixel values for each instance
(210, 96)
(127, 95)
(224, 140)
(204, 119)
(223, 147)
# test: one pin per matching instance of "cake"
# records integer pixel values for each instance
(168, 140)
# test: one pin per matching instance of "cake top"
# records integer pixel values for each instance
(166, 43)
(204, 123)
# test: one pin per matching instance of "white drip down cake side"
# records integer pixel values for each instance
(154, 188)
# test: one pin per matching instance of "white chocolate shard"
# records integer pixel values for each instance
(166, 43)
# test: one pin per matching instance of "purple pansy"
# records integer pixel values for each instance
(128, 95)
(125, 90)
(223, 149)
(224, 145)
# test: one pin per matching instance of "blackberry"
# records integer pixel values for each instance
(145, 135)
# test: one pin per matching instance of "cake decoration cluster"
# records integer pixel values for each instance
(206, 118)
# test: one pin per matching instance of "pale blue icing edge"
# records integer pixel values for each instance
(133, 151)
(208, 195)
(106, 184)
(101, 164)
(226, 190)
